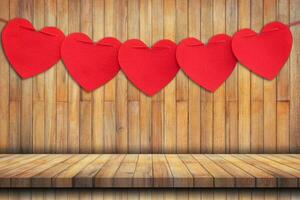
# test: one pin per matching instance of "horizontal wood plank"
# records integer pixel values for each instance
(149, 171)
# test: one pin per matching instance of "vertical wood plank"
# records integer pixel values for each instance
(62, 127)
(85, 136)
(50, 86)
(145, 101)
(182, 82)
(14, 93)
(194, 19)
(73, 90)
(295, 79)
(110, 87)
(283, 78)
(219, 94)
(257, 92)
(62, 77)
(157, 115)
(4, 86)
(14, 79)
(85, 132)
(133, 127)
(38, 89)
(26, 95)
(98, 95)
(283, 90)
(231, 84)
(244, 86)
(206, 96)
(133, 32)
(169, 140)
(270, 139)
(121, 90)
(133, 93)
(109, 28)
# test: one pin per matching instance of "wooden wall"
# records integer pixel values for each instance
(50, 113)
(161, 194)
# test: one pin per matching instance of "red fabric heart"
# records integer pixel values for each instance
(208, 65)
(31, 52)
(264, 53)
(150, 69)
(90, 64)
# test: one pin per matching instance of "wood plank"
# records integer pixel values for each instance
(145, 101)
(283, 160)
(232, 84)
(14, 94)
(270, 138)
(182, 81)
(50, 87)
(124, 175)
(283, 178)
(62, 75)
(134, 127)
(73, 89)
(263, 179)
(206, 109)
(17, 168)
(110, 31)
(244, 85)
(19, 161)
(181, 175)
(121, 90)
(143, 175)
(98, 95)
(221, 177)
(201, 176)
(26, 11)
(295, 80)
(38, 87)
(257, 92)
(242, 178)
(283, 78)
(282, 166)
(4, 86)
(133, 32)
(161, 171)
(65, 178)
(84, 178)
(104, 178)
(23, 180)
(169, 140)
(157, 115)
(219, 16)
(44, 179)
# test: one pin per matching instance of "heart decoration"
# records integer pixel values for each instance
(90, 64)
(264, 53)
(208, 65)
(29, 51)
(150, 69)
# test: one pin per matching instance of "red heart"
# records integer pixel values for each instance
(90, 64)
(264, 53)
(150, 69)
(208, 65)
(31, 52)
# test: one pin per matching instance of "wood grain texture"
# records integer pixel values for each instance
(108, 194)
(149, 171)
(50, 113)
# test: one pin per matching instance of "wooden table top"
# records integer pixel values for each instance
(149, 170)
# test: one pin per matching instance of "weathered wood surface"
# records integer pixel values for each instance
(150, 171)
(247, 114)
(147, 194)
